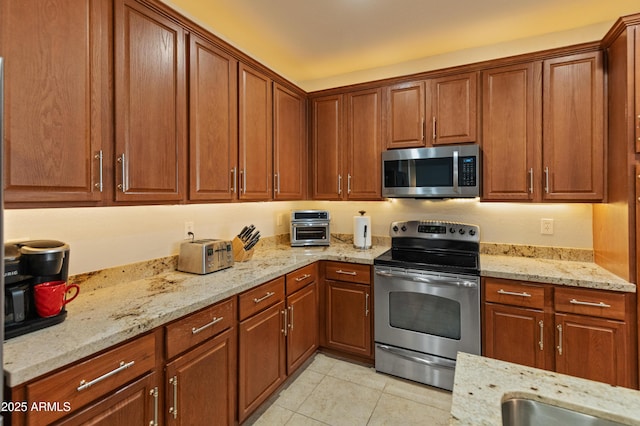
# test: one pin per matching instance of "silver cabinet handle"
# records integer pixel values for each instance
(546, 180)
(597, 305)
(422, 129)
(339, 184)
(265, 297)
(531, 180)
(340, 271)
(234, 188)
(243, 181)
(285, 322)
(174, 410)
(348, 183)
(512, 293)
(366, 305)
(290, 317)
(303, 277)
(215, 320)
(154, 394)
(559, 347)
(541, 342)
(276, 183)
(122, 160)
(433, 123)
(123, 366)
(99, 157)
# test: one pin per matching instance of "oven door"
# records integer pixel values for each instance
(429, 312)
(309, 233)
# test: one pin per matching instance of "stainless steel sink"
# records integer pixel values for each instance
(526, 412)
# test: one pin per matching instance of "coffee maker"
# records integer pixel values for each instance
(28, 263)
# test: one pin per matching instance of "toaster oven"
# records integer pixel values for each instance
(205, 256)
(310, 228)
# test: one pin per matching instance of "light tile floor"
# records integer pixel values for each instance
(331, 391)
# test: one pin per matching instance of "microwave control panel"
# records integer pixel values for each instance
(467, 171)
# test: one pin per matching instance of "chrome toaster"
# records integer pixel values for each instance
(205, 256)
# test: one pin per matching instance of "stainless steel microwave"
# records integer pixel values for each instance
(452, 171)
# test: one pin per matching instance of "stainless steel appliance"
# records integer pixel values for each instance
(26, 264)
(452, 171)
(427, 300)
(205, 256)
(310, 228)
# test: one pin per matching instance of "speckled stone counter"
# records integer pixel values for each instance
(482, 384)
(117, 304)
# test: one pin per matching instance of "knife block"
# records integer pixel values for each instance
(239, 253)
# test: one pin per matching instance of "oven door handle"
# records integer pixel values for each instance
(442, 364)
(433, 280)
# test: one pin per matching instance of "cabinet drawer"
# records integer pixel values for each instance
(87, 381)
(514, 293)
(301, 277)
(261, 297)
(352, 272)
(595, 303)
(198, 327)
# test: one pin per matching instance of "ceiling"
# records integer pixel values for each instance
(311, 42)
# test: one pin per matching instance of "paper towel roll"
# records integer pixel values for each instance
(362, 232)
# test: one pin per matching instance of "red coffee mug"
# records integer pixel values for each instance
(50, 297)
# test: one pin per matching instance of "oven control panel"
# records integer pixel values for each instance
(435, 229)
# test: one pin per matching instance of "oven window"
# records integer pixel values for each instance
(434, 172)
(311, 233)
(425, 313)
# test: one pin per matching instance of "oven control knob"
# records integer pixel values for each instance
(404, 228)
(452, 230)
(395, 228)
(472, 232)
(461, 231)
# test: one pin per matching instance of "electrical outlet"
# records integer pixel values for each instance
(546, 226)
(188, 228)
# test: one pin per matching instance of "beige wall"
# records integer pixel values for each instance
(112, 236)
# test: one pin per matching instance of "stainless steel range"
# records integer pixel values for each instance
(427, 300)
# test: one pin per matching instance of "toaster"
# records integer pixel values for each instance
(205, 256)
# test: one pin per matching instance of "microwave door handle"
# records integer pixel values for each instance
(455, 171)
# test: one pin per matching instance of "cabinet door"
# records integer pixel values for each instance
(262, 358)
(511, 114)
(348, 318)
(405, 104)
(637, 86)
(326, 141)
(255, 146)
(149, 60)
(363, 143)
(57, 99)
(573, 132)
(302, 333)
(516, 335)
(200, 385)
(213, 123)
(592, 348)
(289, 145)
(134, 405)
(452, 106)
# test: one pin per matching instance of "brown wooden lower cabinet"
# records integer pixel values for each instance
(302, 333)
(580, 332)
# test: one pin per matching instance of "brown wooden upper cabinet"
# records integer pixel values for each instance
(289, 144)
(213, 123)
(150, 105)
(637, 85)
(543, 130)
(436, 111)
(255, 146)
(56, 105)
(347, 145)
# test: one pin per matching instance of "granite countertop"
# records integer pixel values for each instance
(114, 308)
(482, 384)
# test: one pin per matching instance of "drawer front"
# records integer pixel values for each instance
(198, 327)
(594, 303)
(261, 297)
(351, 272)
(514, 293)
(301, 277)
(87, 381)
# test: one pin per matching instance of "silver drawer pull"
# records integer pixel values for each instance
(123, 366)
(597, 305)
(340, 271)
(199, 329)
(265, 297)
(512, 293)
(304, 277)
